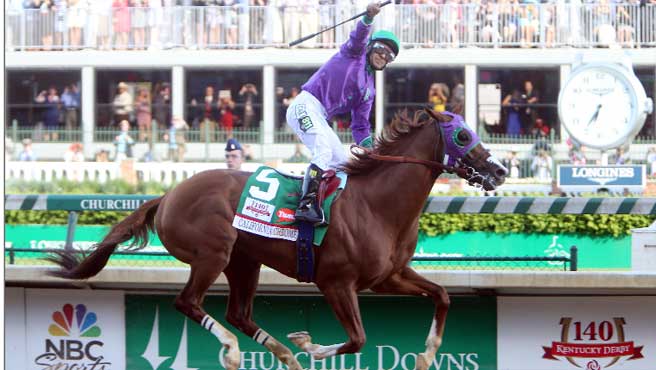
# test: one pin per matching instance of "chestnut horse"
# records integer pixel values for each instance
(369, 243)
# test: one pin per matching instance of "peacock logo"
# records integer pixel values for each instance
(74, 322)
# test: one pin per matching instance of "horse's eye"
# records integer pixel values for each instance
(463, 138)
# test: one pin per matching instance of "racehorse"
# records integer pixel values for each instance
(370, 241)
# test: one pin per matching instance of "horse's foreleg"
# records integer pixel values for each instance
(243, 276)
(409, 282)
(344, 302)
(204, 271)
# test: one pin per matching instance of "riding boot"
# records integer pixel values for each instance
(309, 208)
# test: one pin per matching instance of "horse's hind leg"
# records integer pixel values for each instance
(344, 302)
(243, 275)
(409, 282)
(204, 271)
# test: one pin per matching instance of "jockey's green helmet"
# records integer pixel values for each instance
(389, 38)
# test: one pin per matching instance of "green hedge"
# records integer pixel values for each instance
(430, 223)
(595, 225)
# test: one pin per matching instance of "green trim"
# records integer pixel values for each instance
(472, 147)
(557, 206)
(626, 206)
(455, 205)
(524, 205)
(454, 137)
(367, 142)
(367, 21)
(592, 205)
(28, 202)
(490, 204)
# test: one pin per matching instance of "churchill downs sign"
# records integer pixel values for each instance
(158, 337)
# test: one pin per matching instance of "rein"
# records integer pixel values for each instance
(437, 166)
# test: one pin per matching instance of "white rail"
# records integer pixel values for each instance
(163, 172)
(419, 25)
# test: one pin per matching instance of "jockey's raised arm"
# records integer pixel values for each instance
(356, 45)
(345, 83)
(360, 125)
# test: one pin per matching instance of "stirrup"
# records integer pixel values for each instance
(312, 214)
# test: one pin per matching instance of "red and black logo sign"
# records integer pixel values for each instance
(593, 342)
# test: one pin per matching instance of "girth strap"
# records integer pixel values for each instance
(304, 253)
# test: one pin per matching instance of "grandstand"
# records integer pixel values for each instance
(485, 49)
(523, 272)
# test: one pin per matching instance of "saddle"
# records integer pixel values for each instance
(329, 184)
(266, 208)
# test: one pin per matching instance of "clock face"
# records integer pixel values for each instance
(597, 107)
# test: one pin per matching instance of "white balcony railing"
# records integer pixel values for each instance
(423, 25)
(163, 172)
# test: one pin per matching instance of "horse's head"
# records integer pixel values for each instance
(463, 148)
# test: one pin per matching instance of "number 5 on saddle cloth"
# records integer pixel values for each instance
(268, 203)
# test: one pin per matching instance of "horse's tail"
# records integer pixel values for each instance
(74, 266)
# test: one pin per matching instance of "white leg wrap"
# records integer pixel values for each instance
(319, 351)
(261, 336)
(224, 336)
(431, 332)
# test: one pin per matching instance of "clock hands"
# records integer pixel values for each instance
(594, 116)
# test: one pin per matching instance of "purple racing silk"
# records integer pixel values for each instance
(344, 84)
(459, 138)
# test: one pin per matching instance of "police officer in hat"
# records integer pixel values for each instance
(234, 154)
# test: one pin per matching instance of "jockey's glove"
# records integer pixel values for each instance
(367, 142)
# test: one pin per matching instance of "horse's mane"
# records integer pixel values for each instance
(401, 125)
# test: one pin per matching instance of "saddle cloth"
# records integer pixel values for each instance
(269, 200)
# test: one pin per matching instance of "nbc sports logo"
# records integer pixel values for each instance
(76, 341)
(79, 322)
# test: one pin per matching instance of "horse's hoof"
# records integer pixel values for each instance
(298, 334)
(423, 362)
(300, 339)
(232, 358)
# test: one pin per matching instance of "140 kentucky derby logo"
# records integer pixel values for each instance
(597, 344)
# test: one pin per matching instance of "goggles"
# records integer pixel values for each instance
(384, 50)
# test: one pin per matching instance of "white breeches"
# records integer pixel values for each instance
(307, 117)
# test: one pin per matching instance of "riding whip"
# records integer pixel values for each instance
(305, 38)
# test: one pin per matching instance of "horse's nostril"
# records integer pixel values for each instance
(501, 172)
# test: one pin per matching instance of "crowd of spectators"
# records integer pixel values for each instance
(55, 110)
(521, 109)
(200, 24)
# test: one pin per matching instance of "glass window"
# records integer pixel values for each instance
(35, 108)
(224, 103)
(516, 104)
(416, 88)
(143, 88)
(288, 85)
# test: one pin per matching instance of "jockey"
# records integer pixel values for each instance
(344, 84)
